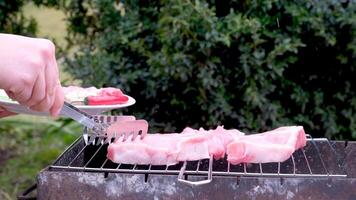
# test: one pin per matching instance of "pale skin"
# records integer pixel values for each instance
(29, 73)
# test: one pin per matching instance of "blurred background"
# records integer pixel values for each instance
(253, 65)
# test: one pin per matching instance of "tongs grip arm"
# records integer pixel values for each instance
(79, 116)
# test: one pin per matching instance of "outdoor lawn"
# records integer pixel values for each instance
(27, 145)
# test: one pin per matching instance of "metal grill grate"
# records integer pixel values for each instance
(317, 159)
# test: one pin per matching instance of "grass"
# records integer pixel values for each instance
(51, 22)
(29, 143)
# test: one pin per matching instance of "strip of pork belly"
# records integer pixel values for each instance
(169, 149)
(271, 146)
(159, 149)
(218, 139)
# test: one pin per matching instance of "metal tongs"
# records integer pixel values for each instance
(83, 118)
(128, 127)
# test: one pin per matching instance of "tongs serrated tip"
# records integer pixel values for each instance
(124, 129)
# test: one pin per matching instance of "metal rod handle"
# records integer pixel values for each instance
(196, 183)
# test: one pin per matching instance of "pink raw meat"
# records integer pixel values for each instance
(218, 138)
(110, 91)
(169, 149)
(76, 95)
(271, 146)
(159, 149)
(79, 89)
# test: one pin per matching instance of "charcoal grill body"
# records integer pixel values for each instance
(66, 183)
(78, 185)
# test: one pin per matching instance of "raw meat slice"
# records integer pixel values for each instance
(77, 94)
(168, 149)
(140, 153)
(94, 96)
(107, 96)
(218, 138)
(159, 149)
(272, 146)
(110, 91)
(253, 152)
(105, 100)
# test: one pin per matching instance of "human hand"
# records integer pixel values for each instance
(5, 113)
(29, 73)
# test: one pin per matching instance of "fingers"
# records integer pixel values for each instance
(48, 98)
(21, 94)
(51, 70)
(54, 88)
(58, 101)
(38, 94)
(52, 79)
(5, 113)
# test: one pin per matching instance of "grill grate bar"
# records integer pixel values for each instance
(319, 154)
(92, 157)
(294, 168)
(198, 165)
(106, 160)
(81, 151)
(306, 159)
(309, 156)
(197, 170)
(193, 172)
(337, 158)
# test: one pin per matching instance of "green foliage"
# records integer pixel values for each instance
(27, 145)
(12, 19)
(252, 65)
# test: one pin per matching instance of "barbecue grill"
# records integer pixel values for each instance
(323, 169)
